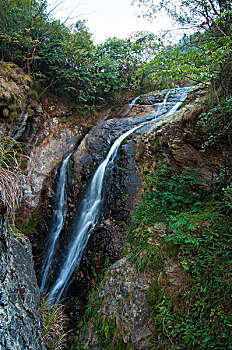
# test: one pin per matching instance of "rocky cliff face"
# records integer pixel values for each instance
(20, 326)
(49, 131)
(122, 298)
(179, 140)
(45, 128)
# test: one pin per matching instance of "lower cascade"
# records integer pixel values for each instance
(91, 205)
(57, 222)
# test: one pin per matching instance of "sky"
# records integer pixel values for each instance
(107, 18)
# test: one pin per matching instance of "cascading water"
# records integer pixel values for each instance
(90, 209)
(130, 106)
(57, 222)
(91, 204)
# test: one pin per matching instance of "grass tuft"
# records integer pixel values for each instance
(11, 178)
(54, 323)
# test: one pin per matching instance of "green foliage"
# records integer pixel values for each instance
(118, 61)
(30, 226)
(147, 257)
(199, 228)
(227, 198)
(197, 12)
(218, 123)
(108, 335)
(23, 26)
(64, 59)
(204, 52)
(154, 294)
(204, 241)
(170, 193)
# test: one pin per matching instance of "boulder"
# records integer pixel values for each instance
(20, 326)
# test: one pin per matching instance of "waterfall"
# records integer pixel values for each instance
(90, 208)
(133, 102)
(57, 222)
(179, 103)
(92, 202)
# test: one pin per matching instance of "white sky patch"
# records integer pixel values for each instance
(107, 18)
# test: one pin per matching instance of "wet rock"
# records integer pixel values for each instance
(44, 128)
(45, 157)
(102, 250)
(178, 140)
(19, 131)
(120, 190)
(105, 244)
(20, 326)
(151, 98)
(123, 293)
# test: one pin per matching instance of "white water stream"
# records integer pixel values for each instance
(91, 204)
(133, 102)
(57, 222)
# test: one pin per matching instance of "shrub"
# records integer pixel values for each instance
(198, 224)
(204, 241)
(218, 122)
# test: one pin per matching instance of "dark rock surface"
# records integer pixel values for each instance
(120, 189)
(105, 244)
(20, 327)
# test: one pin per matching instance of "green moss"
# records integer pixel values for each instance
(155, 143)
(12, 107)
(13, 115)
(154, 294)
(14, 231)
(105, 329)
(30, 226)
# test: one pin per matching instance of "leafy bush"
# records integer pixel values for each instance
(218, 123)
(64, 59)
(167, 192)
(204, 241)
(205, 53)
(198, 227)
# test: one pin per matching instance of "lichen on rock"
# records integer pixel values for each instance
(124, 302)
(20, 326)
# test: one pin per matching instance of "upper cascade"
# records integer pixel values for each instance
(91, 205)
